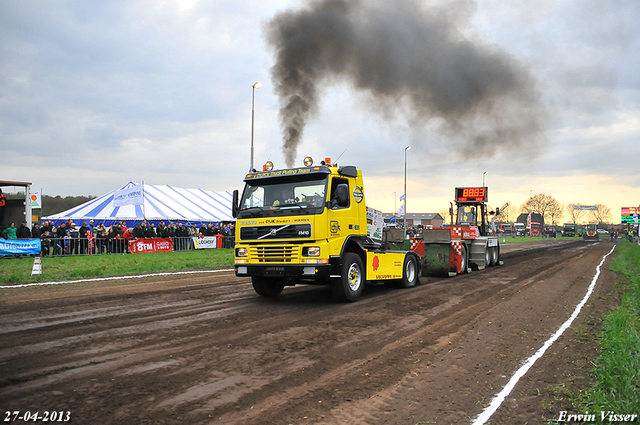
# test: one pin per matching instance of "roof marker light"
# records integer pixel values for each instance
(308, 161)
(268, 166)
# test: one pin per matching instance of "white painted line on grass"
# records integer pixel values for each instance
(98, 279)
(497, 401)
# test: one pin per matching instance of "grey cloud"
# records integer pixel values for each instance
(413, 64)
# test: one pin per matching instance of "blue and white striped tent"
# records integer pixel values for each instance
(161, 203)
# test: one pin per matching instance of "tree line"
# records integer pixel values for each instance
(552, 210)
(57, 204)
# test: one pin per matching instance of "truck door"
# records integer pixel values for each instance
(343, 217)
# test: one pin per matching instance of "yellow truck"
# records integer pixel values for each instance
(310, 225)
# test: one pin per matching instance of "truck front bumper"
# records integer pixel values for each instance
(286, 271)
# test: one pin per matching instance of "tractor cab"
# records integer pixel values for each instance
(471, 208)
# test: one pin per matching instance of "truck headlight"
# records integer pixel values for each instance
(312, 251)
(242, 252)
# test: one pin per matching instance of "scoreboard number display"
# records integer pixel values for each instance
(472, 194)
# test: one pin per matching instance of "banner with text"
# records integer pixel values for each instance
(208, 242)
(19, 246)
(133, 195)
(139, 246)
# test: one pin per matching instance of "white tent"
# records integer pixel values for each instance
(166, 203)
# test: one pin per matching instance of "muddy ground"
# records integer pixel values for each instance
(205, 349)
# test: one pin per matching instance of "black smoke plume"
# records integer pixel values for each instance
(414, 64)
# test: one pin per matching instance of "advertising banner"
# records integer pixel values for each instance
(138, 246)
(375, 222)
(36, 199)
(19, 246)
(207, 242)
(133, 195)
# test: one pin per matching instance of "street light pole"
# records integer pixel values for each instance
(255, 86)
(483, 174)
(405, 192)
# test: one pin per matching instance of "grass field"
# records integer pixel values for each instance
(18, 270)
(617, 375)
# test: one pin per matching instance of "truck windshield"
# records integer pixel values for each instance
(286, 196)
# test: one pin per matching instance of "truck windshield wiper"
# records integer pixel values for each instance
(291, 205)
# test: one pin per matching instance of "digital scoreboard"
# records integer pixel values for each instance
(472, 194)
(629, 214)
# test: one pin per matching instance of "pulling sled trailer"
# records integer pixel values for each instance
(453, 249)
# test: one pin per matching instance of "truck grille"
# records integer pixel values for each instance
(292, 231)
(274, 254)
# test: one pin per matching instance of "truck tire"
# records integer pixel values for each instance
(265, 287)
(409, 272)
(487, 257)
(350, 284)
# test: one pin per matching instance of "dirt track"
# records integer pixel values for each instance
(206, 349)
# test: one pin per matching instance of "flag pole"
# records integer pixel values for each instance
(144, 212)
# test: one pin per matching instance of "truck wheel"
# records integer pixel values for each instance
(269, 288)
(350, 285)
(410, 272)
(487, 257)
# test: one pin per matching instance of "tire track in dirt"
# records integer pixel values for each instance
(200, 349)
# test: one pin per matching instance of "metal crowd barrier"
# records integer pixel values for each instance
(56, 247)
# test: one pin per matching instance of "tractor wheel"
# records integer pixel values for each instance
(464, 268)
(495, 255)
(487, 257)
(269, 288)
(409, 272)
(350, 284)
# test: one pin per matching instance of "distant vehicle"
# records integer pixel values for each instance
(602, 232)
(591, 233)
(569, 230)
(507, 228)
(535, 229)
(519, 229)
(550, 231)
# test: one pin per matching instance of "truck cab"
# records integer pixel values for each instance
(309, 225)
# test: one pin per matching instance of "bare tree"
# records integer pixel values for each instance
(575, 216)
(444, 212)
(556, 212)
(602, 215)
(545, 205)
(508, 214)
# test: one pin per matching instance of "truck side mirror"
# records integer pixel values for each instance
(234, 204)
(342, 192)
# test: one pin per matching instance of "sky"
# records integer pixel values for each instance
(531, 97)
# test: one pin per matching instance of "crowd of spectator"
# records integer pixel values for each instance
(90, 238)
